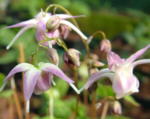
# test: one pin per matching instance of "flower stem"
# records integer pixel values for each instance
(51, 107)
(16, 99)
(21, 59)
(63, 9)
(94, 104)
(77, 95)
(73, 20)
(105, 109)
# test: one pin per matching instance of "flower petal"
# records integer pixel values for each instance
(48, 67)
(66, 16)
(30, 80)
(19, 68)
(18, 35)
(69, 24)
(96, 76)
(125, 83)
(114, 60)
(43, 83)
(23, 24)
(138, 54)
(143, 61)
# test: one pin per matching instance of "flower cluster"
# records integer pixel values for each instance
(52, 29)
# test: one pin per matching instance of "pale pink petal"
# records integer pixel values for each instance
(66, 16)
(124, 85)
(138, 54)
(97, 76)
(18, 35)
(53, 34)
(48, 67)
(19, 68)
(142, 61)
(114, 60)
(43, 83)
(64, 31)
(23, 24)
(30, 80)
(73, 27)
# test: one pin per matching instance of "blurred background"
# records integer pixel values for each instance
(126, 24)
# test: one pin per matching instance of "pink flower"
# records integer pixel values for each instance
(120, 72)
(47, 26)
(38, 79)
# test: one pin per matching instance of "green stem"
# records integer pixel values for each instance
(105, 109)
(51, 107)
(101, 33)
(63, 9)
(73, 20)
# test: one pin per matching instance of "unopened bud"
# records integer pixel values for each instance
(53, 23)
(93, 71)
(54, 57)
(105, 46)
(98, 64)
(72, 56)
(117, 107)
(93, 56)
(94, 61)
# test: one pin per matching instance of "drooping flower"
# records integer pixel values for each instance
(117, 108)
(47, 26)
(38, 79)
(72, 57)
(120, 72)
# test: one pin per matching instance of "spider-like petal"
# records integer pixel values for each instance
(48, 67)
(18, 35)
(30, 80)
(69, 24)
(138, 54)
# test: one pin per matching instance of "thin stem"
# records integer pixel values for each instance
(21, 53)
(51, 107)
(16, 99)
(94, 104)
(105, 109)
(21, 59)
(85, 98)
(77, 95)
(101, 33)
(73, 20)
(63, 9)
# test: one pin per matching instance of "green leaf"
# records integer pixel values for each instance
(8, 57)
(2, 76)
(6, 94)
(62, 87)
(131, 100)
(104, 91)
(61, 109)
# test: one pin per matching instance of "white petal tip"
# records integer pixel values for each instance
(3, 86)
(8, 47)
(75, 89)
(28, 106)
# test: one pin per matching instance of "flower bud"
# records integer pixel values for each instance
(53, 55)
(94, 61)
(93, 71)
(117, 107)
(98, 64)
(72, 56)
(105, 46)
(53, 23)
